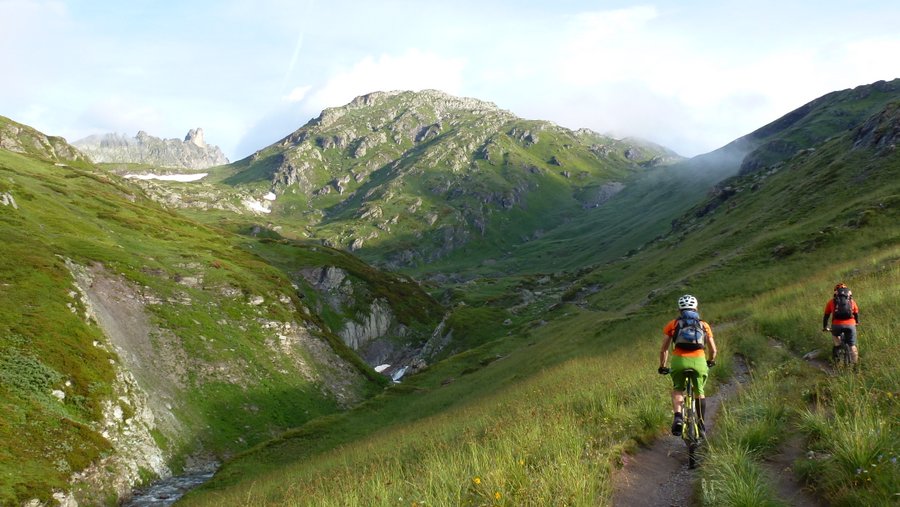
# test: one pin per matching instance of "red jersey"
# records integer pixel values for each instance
(829, 310)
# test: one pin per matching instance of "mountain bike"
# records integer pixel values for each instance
(690, 411)
(844, 357)
(693, 430)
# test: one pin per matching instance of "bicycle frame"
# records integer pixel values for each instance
(691, 432)
(845, 354)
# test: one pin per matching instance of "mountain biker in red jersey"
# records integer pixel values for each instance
(844, 314)
(687, 353)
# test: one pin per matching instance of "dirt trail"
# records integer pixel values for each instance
(780, 467)
(658, 475)
(780, 470)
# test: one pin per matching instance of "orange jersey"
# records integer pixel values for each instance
(829, 310)
(669, 330)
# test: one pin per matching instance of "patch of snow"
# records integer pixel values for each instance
(381, 367)
(399, 374)
(255, 205)
(168, 177)
(270, 196)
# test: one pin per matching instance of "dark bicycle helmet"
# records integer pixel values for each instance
(842, 285)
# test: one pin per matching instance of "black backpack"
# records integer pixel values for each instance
(689, 332)
(843, 303)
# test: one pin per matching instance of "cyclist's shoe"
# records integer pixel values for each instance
(677, 425)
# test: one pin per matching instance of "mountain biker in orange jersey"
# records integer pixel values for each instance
(844, 315)
(687, 354)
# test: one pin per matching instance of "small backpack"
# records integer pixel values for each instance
(843, 304)
(689, 332)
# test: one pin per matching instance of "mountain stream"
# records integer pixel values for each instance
(165, 492)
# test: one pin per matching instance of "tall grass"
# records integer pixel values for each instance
(550, 438)
(850, 419)
(734, 477)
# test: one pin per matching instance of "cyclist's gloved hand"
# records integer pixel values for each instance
(710, 364)
(663, 370)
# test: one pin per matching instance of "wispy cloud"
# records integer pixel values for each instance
(411, 70)
(298, 93)
(690, 75)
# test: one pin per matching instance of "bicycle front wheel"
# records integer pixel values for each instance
(691, 432)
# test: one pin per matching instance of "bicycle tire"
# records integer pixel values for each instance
(691, 431)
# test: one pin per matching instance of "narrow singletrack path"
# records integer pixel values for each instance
(658, 475)
(780, 470)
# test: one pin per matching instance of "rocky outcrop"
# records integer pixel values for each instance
(606, 192)
(7, 199)
(23, 139)
(155, 376)
(191, 153)
(881, 132)
(368, 325)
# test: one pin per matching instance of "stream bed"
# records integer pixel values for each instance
(165, 492)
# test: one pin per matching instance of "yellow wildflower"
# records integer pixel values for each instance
(477, 480)
(497, 495)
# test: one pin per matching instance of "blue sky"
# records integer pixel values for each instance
(689, 75)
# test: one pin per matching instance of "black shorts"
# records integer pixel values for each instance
(847, 333)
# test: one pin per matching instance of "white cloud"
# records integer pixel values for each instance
(121, 114)
(412, 70)
(298, 93)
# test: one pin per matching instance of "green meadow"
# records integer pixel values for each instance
(542, 411)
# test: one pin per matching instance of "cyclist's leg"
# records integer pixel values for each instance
(836, 342)
(678, 386)
(699, 364)
(849, 336)
(677, 400)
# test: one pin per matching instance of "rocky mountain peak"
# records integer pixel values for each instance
(195, 136)
(143, 148)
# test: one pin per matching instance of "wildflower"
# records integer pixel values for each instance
(477, 480)
(497, 495)
(522, 462)
(894, 460)
(858, 471)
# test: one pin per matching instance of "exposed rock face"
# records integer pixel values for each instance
(152, 378)
(880, 132)
(370, 326)
(607, 191)
(192, 153)
(375, 324)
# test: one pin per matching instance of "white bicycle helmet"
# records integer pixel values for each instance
(687, 302)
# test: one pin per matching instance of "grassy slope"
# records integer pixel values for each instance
(546, 422)
(87, 216)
